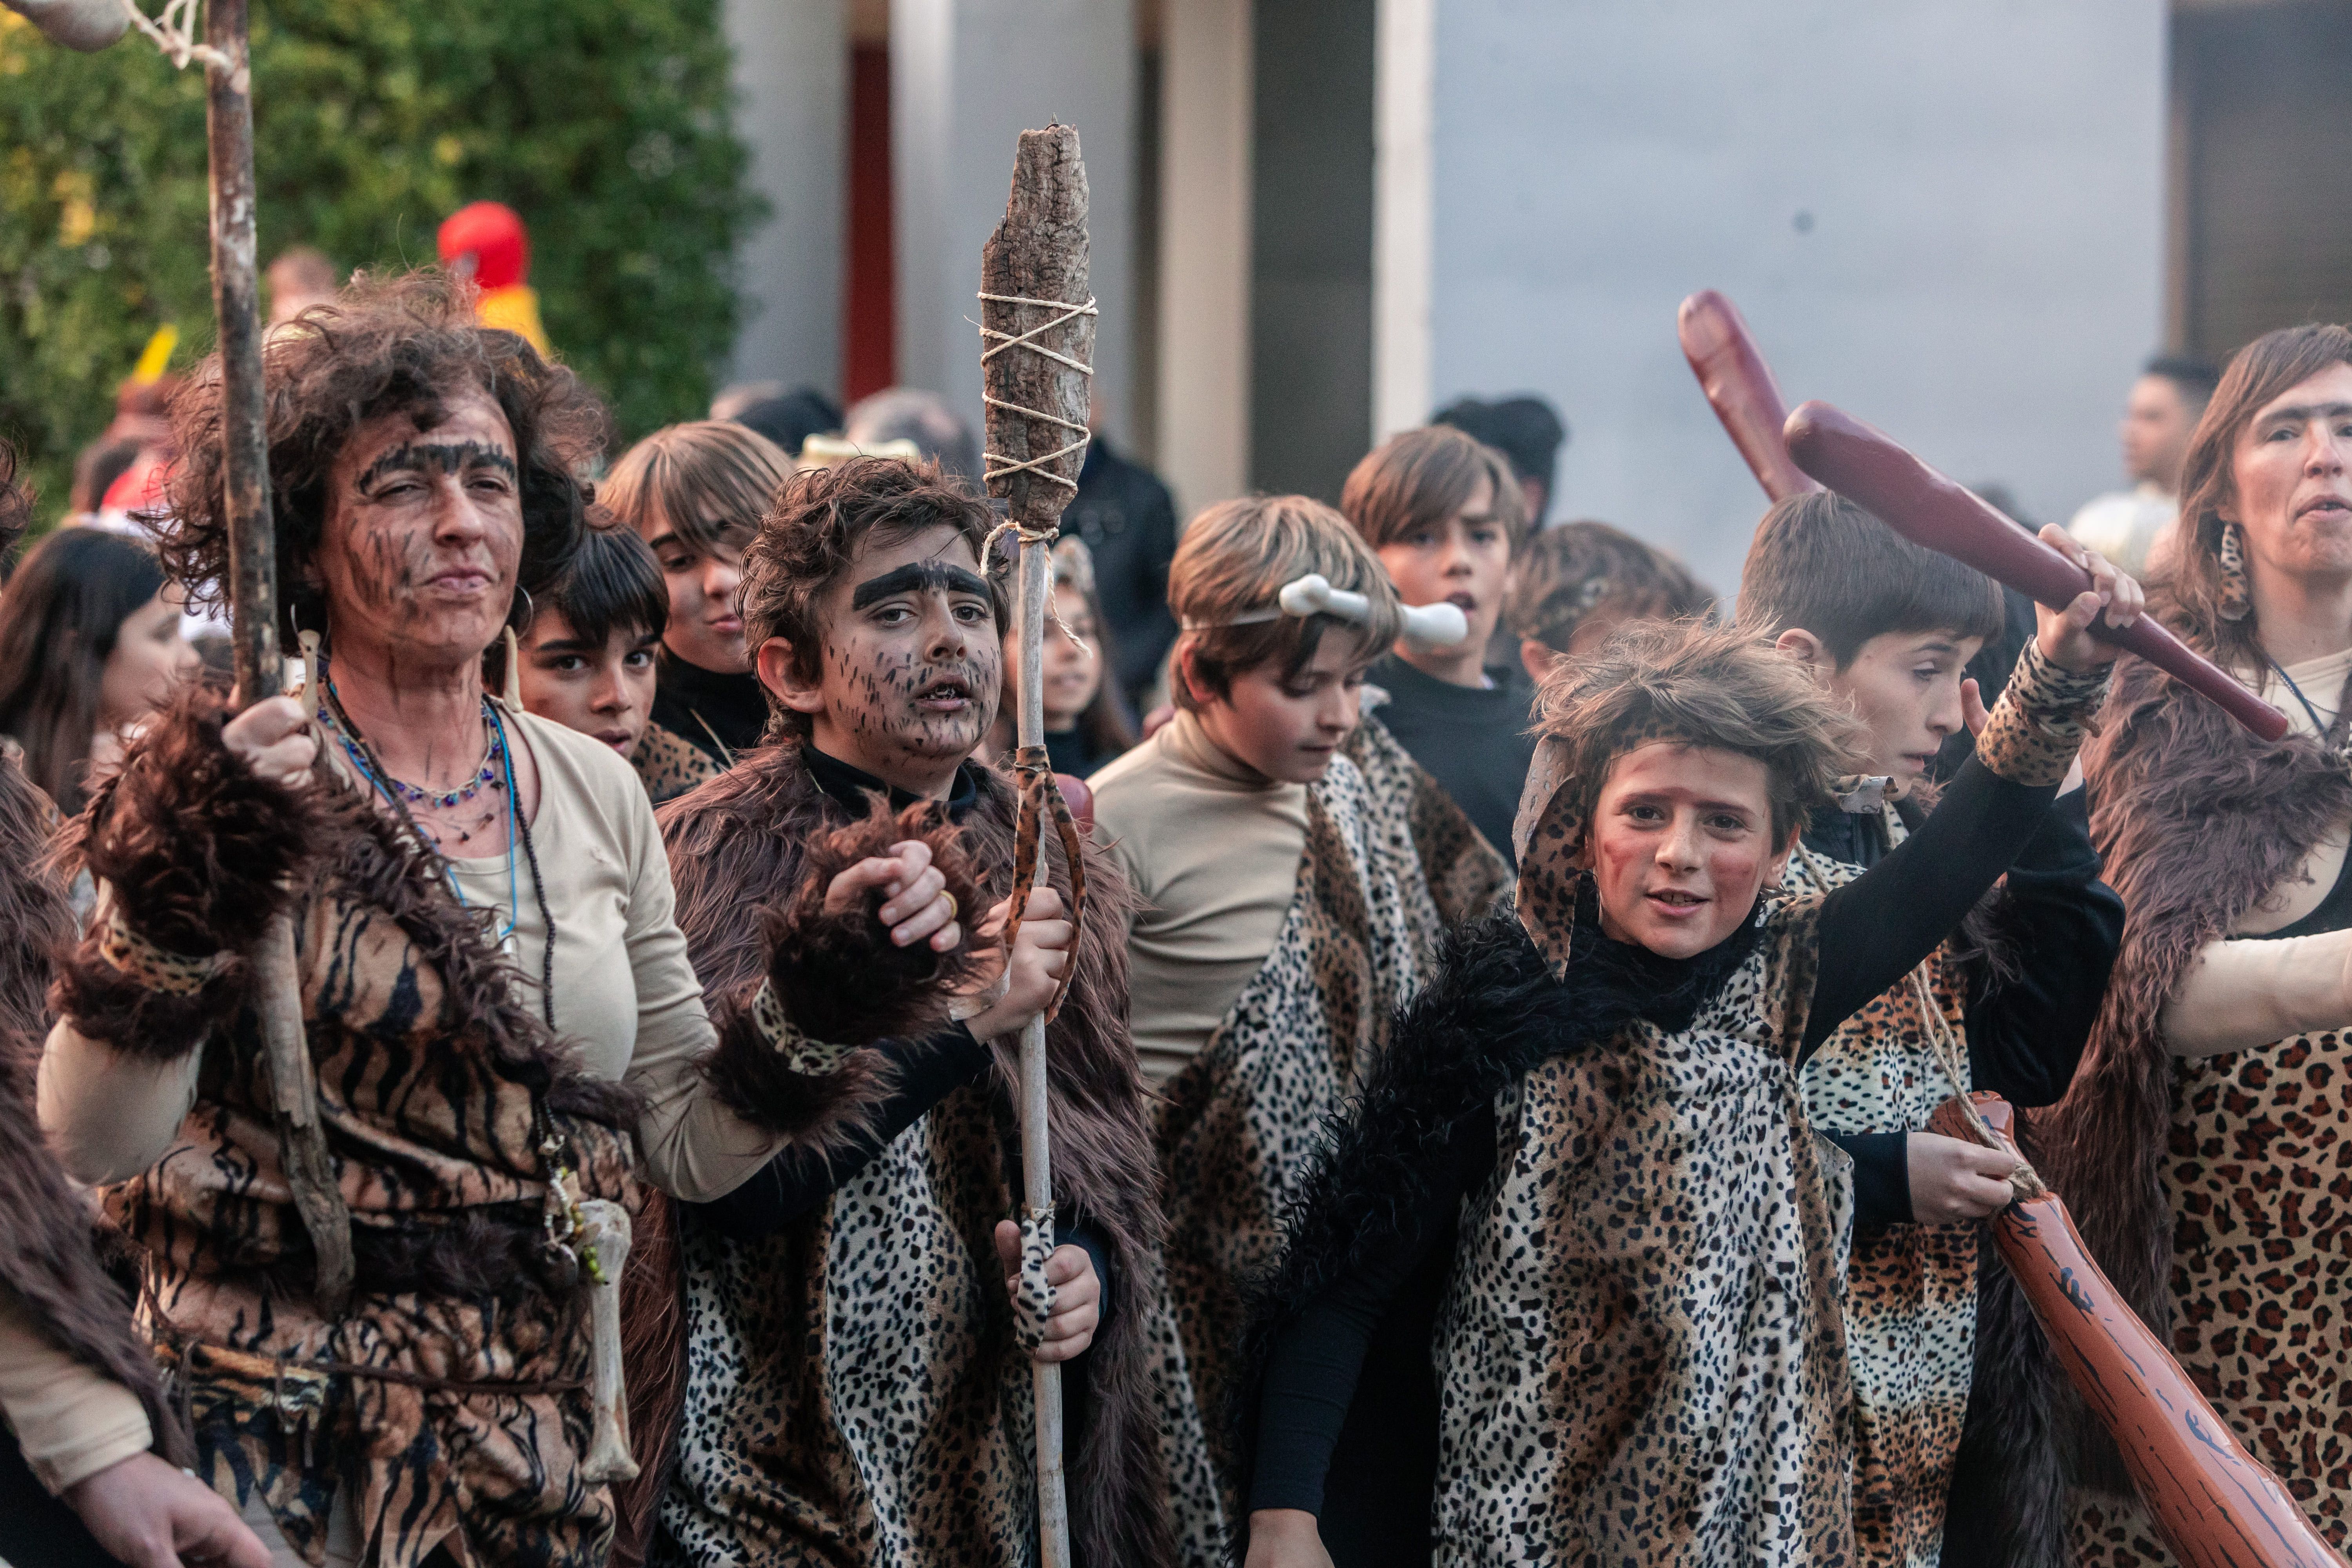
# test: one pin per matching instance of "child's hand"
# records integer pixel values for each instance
(149, 1515)
(918, 907)
(1953, 1180)
(1078, 1294)
(2066, 635)
(1286, 1537)
(1973, 712)
(1030, 973)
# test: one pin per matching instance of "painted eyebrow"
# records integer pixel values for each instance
(915, 577)
(435, 457)
(2309, 411)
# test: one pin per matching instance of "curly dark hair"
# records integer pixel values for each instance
(812, 530)
(402, 344)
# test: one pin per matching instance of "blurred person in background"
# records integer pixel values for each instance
(1574, 585)
(2165, 405)
(486, 244)
(90, 648)
(300, 279)
(696, 493)
(96, 468)
(1444, 513)
(910, 414)
(1527, 430)
(787, 419)
(1083, 726)
(1128, 520)
(587, 660)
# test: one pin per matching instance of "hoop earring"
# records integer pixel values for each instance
(529, 610)
(2236, 598)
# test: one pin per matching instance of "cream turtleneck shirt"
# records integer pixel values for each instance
(1212, 846)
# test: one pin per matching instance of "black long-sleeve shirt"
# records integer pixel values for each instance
(1872, 932)
(2026, 1028)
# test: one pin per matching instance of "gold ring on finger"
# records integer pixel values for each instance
(953, 908)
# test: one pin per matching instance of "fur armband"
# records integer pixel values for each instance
(2041, 719)
(196, 853)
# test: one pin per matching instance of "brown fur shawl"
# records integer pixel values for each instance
(748, 837)
(2196, 820)
(47, 1226)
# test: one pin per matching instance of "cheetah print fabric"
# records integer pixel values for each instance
(668, 765)
(2257, 1182)
(1641, 1356)
(1911, 1289)
(1239, 1122)
(2038, 724)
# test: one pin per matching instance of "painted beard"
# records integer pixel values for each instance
(921, 707)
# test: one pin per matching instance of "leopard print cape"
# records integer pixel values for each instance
(1390, 863)
(669, 765)
(441, 1093)
(1911, 1289)
(1640, 1353)
(2207, 1190)
(855, 1393)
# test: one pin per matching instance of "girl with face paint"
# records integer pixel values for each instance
(1590, 1121)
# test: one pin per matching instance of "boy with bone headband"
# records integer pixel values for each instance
(1581, 1189)
(1889, 628)
(1296, 869)
(859, 1388)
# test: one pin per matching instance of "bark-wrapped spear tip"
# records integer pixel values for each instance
(1037, 358)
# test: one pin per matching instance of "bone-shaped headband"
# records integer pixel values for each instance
(1427, 626)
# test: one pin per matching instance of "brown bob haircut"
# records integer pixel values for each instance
(709, 481)
(1419, 479)
(1821, 563)
(814, 531)
(2191, 584)
(404, 345)
(1580, 572)
(1694, 684)
(1235, 557)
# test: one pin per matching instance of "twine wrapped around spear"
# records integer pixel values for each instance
(1037, 337)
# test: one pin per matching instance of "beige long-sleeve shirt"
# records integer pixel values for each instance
(1212, 846)
(626, 995)
(70, 1419)
(2240, 994)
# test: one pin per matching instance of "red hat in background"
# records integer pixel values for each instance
(493, 235)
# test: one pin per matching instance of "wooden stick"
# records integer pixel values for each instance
(1740, 389)
(253, 602)
(2215, 1504)
(1869, 469)
(1038, 343)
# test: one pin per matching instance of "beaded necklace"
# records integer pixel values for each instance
(486, 776)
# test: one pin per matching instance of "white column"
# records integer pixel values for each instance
(967, 76)
(1404, 123)
(790, 79)
(1204, 251)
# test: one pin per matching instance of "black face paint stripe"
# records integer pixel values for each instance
(916, 577)
(437, 457)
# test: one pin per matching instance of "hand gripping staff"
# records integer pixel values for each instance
(2214, 1503)
(1037, 334)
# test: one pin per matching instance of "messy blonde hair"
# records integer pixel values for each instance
(1235, 557)
(1694, 684)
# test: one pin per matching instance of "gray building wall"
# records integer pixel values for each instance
(1945, 215)
(791, 67)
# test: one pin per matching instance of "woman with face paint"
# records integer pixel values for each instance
(858, 1387)
(494, 992)
(2192, 1145)
(1566, 1286)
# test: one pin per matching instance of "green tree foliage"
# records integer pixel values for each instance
(603, 122)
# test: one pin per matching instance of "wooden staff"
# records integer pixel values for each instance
(2215, 1504)
(1038, 331)
(1740, 389)
(1871, 469)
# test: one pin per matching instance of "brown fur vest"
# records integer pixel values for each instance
(46, 1226)
(2196, 820)
(751, 838)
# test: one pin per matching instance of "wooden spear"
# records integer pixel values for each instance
(253, 609)
(1037, 331)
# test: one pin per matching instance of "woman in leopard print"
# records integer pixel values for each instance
(1581, 1188)
(2201, 1146)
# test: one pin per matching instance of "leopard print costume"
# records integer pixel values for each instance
(1389, 862)
(1911, 1289)
(451, 1390)
(1620, 1243)
(668, 765)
